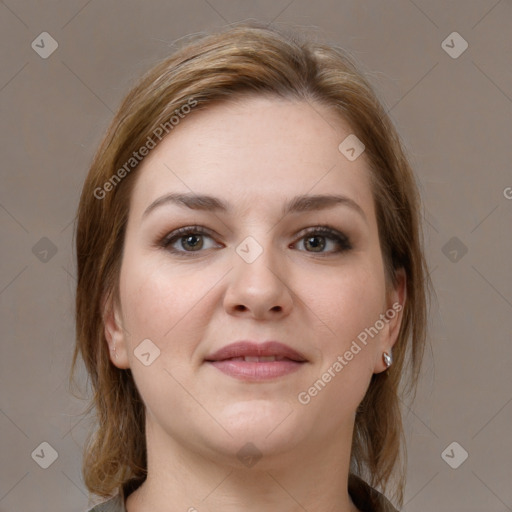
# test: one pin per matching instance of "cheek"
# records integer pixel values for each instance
(347, 302)
(160, 305)
(156, 302)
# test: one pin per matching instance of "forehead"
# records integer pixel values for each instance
(256, 150)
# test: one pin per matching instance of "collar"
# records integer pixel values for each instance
(365, 498)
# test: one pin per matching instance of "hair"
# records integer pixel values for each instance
(245, 58)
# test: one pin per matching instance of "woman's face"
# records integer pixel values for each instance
(259, 270)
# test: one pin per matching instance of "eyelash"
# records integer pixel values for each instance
(341, 239)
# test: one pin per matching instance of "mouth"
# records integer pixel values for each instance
(251, 361)
(257, 359)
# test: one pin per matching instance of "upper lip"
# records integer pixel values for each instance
(255, 349)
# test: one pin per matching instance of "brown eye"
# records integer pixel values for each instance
(316, 242)
(194, 241)
(188, 239)
(317, 239)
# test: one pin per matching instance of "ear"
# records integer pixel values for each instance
(115, 333)
(395, 304)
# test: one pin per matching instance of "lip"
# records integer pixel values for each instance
(229, 360)
(253, 349)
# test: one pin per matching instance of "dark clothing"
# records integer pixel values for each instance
(365, 498)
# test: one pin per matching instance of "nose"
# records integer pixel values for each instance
(260, 288)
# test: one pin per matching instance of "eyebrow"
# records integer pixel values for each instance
(303, 203)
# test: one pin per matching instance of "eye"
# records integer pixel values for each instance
(315, 238)
(191, 237)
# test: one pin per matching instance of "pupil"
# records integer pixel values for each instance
(191, 237)
(321, 244)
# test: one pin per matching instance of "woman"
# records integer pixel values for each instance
(251, 285)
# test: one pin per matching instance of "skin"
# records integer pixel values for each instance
(256, 153)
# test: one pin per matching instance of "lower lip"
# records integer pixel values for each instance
(255, 371)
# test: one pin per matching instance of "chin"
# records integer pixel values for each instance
(255, 413)
(255, 449)
(269, 425)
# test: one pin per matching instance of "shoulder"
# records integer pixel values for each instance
(115, 504)
(366, 498)
(118, 502)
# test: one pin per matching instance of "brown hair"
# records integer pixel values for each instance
(245, 58)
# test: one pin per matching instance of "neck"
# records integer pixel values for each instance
(179, 479)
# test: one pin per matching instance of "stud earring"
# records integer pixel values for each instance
(388, 358)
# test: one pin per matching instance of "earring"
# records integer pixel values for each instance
(115, 355)
(388, 358)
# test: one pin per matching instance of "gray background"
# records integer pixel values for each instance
(455, 117)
